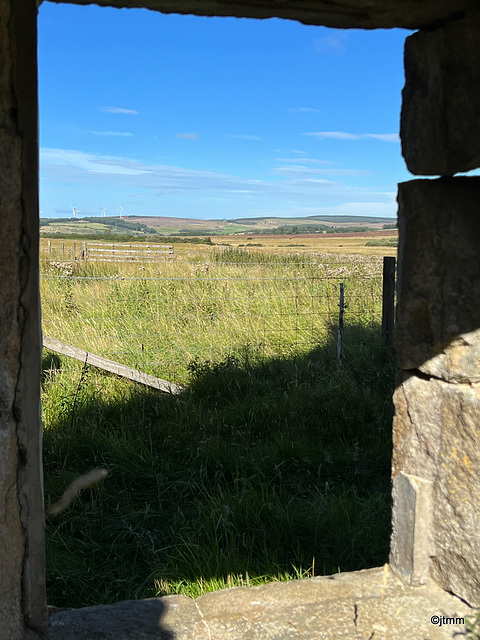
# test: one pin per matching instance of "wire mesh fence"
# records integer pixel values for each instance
(206, 304)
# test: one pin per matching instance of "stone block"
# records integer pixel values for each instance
(343, 14)
(435, 444)
(412, 540)
(438, 289)
(440, 123)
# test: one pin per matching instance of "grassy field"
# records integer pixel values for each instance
(274, 462)
(331, 244)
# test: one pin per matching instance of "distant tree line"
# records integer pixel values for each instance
(117, 237)
(295, 229)
(112, 223)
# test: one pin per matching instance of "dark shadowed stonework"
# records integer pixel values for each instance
(441, 99)
(22, 557)
(359, 14)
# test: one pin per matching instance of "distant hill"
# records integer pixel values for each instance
(171, 226)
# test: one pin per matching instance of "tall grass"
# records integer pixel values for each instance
(159, 317)
(268, 466)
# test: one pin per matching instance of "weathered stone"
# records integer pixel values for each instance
(440, 121)
(438, 307)
(412, 540)
(359, 605)
(360, 14)
(435, 437)
(22, 557)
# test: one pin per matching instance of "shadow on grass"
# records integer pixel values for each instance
(260, 470)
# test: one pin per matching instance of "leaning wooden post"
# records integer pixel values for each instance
(341, 306)
(388, 302)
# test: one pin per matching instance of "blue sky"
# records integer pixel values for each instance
(215, 117)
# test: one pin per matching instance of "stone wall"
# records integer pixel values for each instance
(436, 456)
(22, 576)
(436, 462)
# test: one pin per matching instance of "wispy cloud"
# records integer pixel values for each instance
(304, 160)
(338, 135)
(334, 43)
(123, 134)
(58, 161)
(187, 136)
(342, 135)
(300, 171)
(244, 137)
(384, 137)
(130, 112)
(302, 110)
(302, 185)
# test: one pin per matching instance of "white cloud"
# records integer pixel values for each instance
(187, 136)
(123, 134)
(132, 112)
(302, 110)
(342, 135)
(339, 135)
(298, 151)
(55, 160)
(333, 43)
(304, 160)
(302, 185)
(300, 170)
(384, 137)
(244, 137)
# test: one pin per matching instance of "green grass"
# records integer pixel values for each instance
(273, 463)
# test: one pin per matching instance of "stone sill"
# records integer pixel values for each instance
(366, 605)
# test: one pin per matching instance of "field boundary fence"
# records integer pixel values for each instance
(206, 306)
(113, 252)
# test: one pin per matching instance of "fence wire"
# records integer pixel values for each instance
(160, 318)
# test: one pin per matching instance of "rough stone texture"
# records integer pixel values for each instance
(436, 435)
(440, 121)
(22, 589)
(412, 539)
(438, 291)
(360, 14)
(359, 605)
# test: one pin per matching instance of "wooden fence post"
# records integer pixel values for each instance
(74, 251)
(388, 302)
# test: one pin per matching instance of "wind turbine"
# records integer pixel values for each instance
(75, 211)
(121, 210)
(102, 211)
